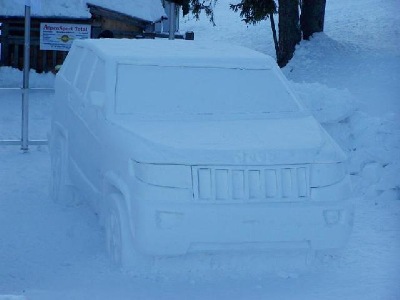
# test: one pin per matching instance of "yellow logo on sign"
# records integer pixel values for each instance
(65, 38)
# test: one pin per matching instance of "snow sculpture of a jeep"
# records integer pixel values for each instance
(183, 147)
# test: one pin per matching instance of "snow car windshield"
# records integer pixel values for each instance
(200, 90)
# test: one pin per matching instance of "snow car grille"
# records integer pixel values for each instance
(279, 183)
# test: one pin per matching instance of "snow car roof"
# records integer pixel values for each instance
(163, 52)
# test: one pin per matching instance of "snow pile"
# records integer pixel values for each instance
(363, 116)
(12, 78)
(376, 155)
(373, 143)
(370, 24)
(11, 98)
(328, 105)
(368, 75)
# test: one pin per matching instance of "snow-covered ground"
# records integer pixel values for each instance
(348, 76)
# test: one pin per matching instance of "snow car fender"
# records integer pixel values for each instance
(113, 184)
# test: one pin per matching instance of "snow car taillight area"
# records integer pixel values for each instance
(205, 151)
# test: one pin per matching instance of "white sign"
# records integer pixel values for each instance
(59, 36)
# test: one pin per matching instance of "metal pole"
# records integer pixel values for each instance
(25, 88)
(172, 20)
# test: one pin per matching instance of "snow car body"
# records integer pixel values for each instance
(189, 147)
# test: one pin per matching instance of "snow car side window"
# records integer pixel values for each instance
(70, 65)
(97, 82)
(85, 71)
(96, 92)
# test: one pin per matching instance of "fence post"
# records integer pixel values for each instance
(25, 88)
(172, 20)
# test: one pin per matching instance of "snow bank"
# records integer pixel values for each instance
(372, 142)
(328, 105)
(40, 103)
(376, 154)
(12, 78)
(354, 92)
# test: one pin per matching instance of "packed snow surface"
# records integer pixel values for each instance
(56, 250)
(150, 10)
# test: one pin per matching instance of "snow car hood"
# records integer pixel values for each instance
(239, 142)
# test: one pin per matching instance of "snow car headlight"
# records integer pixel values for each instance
(165, 175)
(330, 182)
(327, 174)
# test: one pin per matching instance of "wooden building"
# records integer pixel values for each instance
(106, 19)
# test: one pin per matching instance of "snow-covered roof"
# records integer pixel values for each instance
(150, 10)
(164, 52)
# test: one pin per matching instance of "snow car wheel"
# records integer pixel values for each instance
(118, 236)
(113, 234)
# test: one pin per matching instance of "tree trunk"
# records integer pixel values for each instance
(274, 35)
(312, 17)
(289, 30)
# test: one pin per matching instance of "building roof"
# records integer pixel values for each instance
(149, 10)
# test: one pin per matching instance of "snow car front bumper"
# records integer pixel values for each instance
(165, 229)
